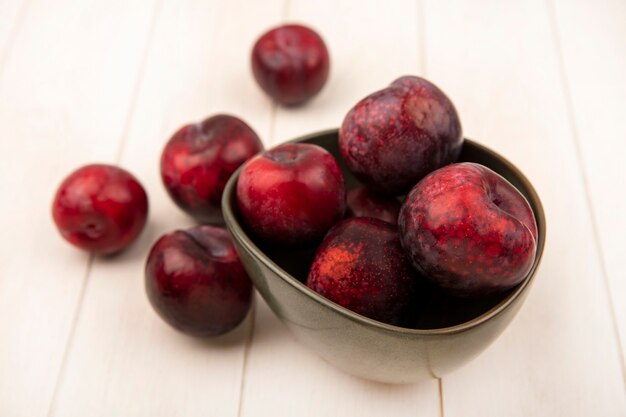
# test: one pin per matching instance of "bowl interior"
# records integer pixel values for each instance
(435, 310)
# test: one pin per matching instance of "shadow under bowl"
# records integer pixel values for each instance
(448, 333)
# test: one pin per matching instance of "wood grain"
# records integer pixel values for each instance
(64, 96)
(81, 81)
(559, 356)
(11, 18)
(124, 359)
(592, 37)
(282, 377)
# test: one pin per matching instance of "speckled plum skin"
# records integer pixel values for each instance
(100, 208)
(469, 230)
(199, 159)
(196, 283)
(292, 194)
(394, 137)
(361, 266)
(290, 63)
(363, 202)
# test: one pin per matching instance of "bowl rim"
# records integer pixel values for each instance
(238, 233)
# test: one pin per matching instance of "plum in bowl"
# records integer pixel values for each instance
(445, 333)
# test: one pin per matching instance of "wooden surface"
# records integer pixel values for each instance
(541, 81)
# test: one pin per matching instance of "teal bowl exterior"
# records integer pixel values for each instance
(362, 346)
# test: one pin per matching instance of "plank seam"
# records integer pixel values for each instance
(286, 10)
(569, 106)
(246, 354)
(272, 127)
(8, 48)
(70, 338)
(440, 390)
(138, 81)
(74, 324)
(248, 346)
(421, 36)
(421, 42)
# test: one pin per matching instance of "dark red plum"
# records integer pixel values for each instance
(361, 266)
(394, 137)
(363, 202)
(196, 283)
(100, 208)
(290, 63)
(292, 194)
(468, 230)
(200, 158)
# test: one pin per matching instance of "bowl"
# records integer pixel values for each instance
(450, 332)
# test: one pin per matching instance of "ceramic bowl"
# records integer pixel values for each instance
(450, 332)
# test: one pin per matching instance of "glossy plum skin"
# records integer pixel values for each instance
(290, 63)
(100, 208)
(469, 230)
(394, 137)
(196, 283)
(199, 159)
(361, 266)
(292, 194)
(363, 202)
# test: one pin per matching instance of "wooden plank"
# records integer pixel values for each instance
(124, 359)
(592, 37)
(362, 61)
(498, 62)
(11, 18)
(64, 95)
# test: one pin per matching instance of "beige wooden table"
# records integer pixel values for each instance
(541, 81)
